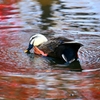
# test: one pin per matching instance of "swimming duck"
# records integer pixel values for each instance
(58, 47)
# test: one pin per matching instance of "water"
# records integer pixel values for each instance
(33, 77)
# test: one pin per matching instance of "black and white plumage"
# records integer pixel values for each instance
(58, 47)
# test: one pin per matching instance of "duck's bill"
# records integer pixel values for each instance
(26, 51)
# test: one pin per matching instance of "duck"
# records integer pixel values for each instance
(56, 47)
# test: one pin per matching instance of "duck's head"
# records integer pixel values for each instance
(35, 41)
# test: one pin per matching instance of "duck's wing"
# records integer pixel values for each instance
(70, 51)
(50, 46)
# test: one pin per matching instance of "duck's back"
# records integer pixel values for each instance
(49, 46)
(55, 47)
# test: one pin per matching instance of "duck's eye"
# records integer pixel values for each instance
(32, 39)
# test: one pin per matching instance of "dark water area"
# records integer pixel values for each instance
(34, 77)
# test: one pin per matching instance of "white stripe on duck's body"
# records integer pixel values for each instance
(58, 47)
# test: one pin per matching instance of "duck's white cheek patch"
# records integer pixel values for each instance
(39, 41)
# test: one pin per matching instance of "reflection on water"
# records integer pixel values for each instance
(67, 15)
(46, 13)
(75, 14)
(28, 77)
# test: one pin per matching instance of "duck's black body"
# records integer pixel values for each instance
(62, 48)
